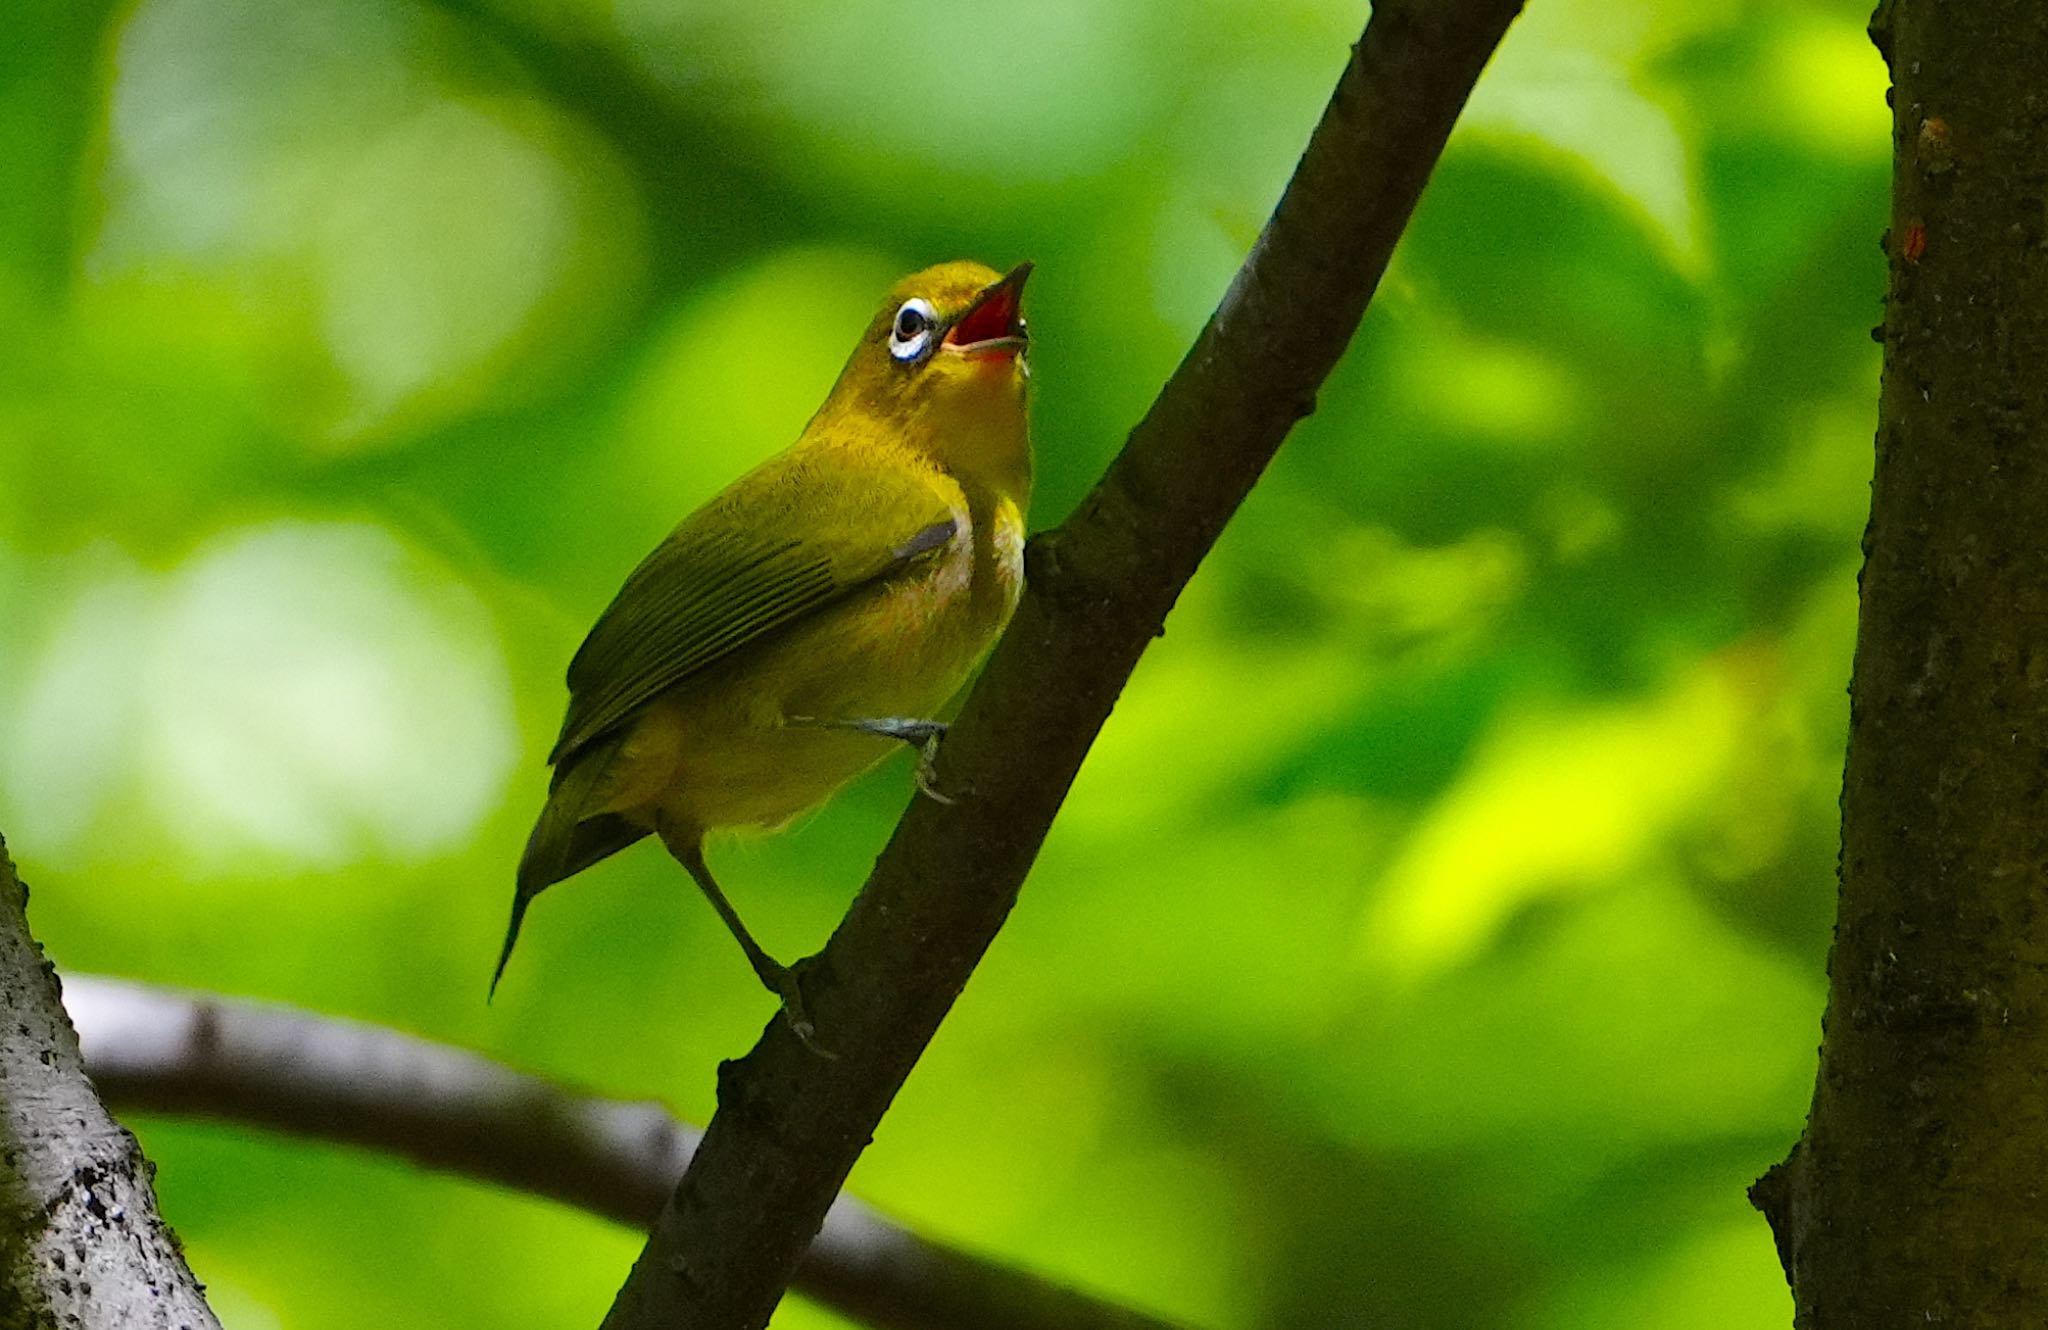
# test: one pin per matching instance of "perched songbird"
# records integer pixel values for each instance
(819, 609)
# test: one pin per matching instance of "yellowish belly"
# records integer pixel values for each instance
(751, 742)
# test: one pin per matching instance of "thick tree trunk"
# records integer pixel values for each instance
(1919, 1194)
(81, 1246)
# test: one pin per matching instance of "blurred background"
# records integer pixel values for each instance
(1435, 937)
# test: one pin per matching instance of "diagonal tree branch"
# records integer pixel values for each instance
(157, 1050)
(81, 1245)
(790, 1124)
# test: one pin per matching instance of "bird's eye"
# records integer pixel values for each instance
(911, 335)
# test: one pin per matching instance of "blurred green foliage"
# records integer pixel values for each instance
(1435, 937)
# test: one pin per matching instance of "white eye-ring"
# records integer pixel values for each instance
(911, 335)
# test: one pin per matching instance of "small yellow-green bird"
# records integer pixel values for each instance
(821, 608)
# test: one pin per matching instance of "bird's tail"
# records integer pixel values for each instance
(564, 842)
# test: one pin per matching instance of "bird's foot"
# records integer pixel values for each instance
(923, 735)
(927, 773)
(781, 980)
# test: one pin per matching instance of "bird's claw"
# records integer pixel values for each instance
(782, 981)
(927, 773)
(923, 735)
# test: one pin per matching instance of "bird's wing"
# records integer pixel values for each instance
(720, 582)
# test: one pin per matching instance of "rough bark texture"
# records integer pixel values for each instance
(81, 1246)
(1917, 1194)
(160, 1051)
(789, 1123)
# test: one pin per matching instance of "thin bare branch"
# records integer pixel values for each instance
(790, 1124)
(157, 1050)
(81, 1244)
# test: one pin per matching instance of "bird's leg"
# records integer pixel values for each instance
(923, 735)
(779, 979)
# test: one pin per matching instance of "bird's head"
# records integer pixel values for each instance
(953, 334)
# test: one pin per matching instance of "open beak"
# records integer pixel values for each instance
(994, 324)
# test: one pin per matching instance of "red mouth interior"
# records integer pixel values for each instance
(992, 318)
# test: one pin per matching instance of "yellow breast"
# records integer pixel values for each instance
(752, 743)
